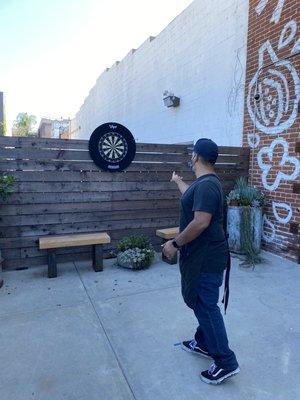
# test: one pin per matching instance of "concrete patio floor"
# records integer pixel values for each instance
(111, 335)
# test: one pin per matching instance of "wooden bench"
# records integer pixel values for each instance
(168, 234)
(51, 243)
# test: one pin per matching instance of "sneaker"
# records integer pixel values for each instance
(215, 375)
(192, 347)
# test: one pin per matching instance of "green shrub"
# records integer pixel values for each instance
(6, 184)
(131, 242)
(135, 252)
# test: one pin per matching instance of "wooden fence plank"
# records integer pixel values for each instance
(74, 197)
(71, 176)
(50, 208)
(68, 187)
(68, 176)
(78, 155)
(223, 150)
(65, 144)
(62, 165)
(89, 166)
(72, 155)
(88, 227)
(101, 216)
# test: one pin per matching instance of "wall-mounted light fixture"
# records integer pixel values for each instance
(170, 100)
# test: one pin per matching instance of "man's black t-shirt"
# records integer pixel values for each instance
(209, 251)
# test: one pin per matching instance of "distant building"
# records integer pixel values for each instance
(15, 133)
(45, 128)
(55, 129)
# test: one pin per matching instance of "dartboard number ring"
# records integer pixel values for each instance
(112, 147)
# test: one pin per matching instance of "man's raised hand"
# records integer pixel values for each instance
(176, 178)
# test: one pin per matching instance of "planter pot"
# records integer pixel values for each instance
(136, 266)
(235, 232)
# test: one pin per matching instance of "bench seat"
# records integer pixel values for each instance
(168, 234)
(51, 243)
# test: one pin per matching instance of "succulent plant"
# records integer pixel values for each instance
(135, 252)
(245, 195)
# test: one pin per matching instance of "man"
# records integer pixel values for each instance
(204, 256)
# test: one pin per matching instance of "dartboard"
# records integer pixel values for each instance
(112, 147)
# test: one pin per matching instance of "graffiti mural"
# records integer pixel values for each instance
(277, 207)
(271, 105)
(287, 35)
(272, 102)
(277, 12)
(267, 163)
(268, 230)
(253, 140)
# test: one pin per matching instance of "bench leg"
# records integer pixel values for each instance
(166, 260)
(98, 258)
(52, 265)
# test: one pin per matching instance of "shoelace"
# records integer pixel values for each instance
(212, 369)
(193, 344)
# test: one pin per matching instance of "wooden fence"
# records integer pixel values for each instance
(59, 190)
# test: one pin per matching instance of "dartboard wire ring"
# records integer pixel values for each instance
(112, 147)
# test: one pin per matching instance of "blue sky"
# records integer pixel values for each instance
(52, 51)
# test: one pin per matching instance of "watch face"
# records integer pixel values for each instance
(112, 147)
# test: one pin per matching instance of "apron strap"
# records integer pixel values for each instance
(225, 299)
(227, 276)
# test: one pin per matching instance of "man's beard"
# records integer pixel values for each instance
(191, 166)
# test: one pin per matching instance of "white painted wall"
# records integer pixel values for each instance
(201, 57)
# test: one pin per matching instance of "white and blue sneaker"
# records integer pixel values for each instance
(191, 346)
(216, 375)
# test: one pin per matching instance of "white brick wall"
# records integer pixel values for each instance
(201, 57)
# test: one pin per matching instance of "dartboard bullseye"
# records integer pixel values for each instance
(112, 147)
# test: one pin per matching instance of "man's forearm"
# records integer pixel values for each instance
(182, 186)
(191, 232)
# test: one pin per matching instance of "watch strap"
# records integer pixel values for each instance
(174, 243)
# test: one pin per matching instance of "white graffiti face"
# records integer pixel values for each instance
(286, 208)
(278, 88)
(270, 233)
(266, 164)
(253, 140)
(277, 12)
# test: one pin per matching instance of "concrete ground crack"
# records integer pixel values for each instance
(106, 334)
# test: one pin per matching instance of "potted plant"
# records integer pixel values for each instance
(6, 184)
(244, 220)
(135, 252)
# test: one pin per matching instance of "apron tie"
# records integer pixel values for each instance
(227, 276)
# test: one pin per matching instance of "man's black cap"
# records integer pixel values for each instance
(207, 149)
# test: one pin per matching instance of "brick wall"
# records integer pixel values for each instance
(272, 121)
(200, 57)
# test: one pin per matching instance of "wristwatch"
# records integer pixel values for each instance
(174, 243)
